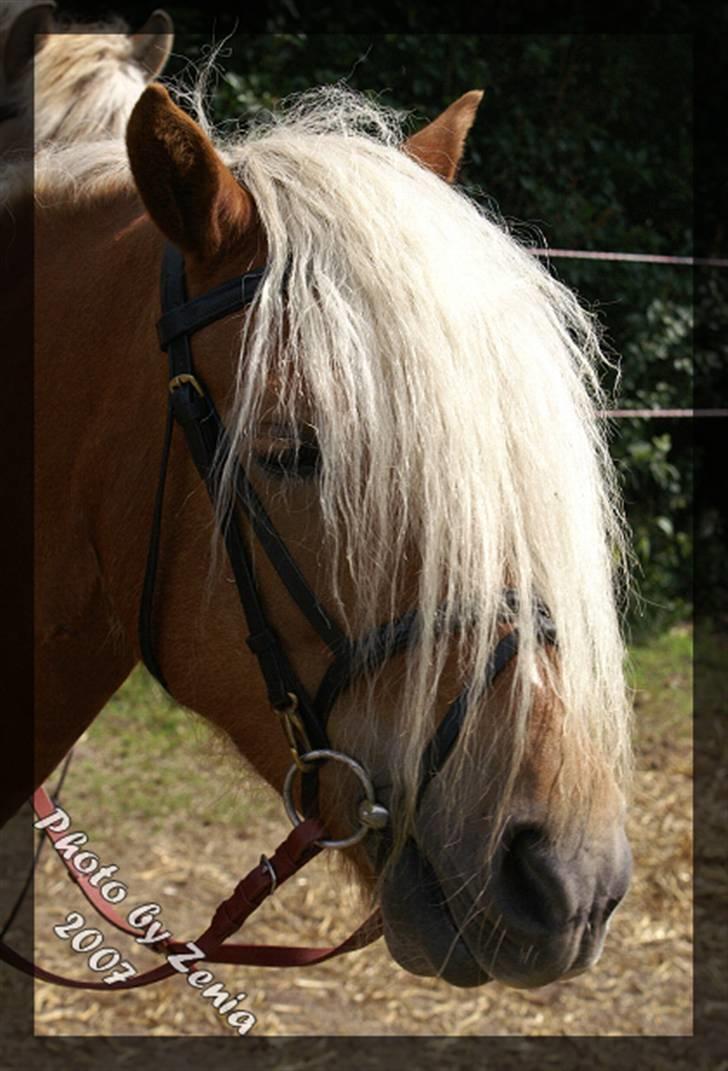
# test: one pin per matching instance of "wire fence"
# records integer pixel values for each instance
(642, 258)
(668, 414)
(634, 258)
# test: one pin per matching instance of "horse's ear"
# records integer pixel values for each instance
(186, 188)
(22, 41)
(439, 146)
(152, 45)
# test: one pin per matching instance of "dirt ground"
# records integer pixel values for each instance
(190, 859)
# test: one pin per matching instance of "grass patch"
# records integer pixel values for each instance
(661, 673)
(154, 760)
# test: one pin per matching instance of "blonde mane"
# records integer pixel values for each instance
(454, 388)
(86, 84)
(453, 385)
(82, 85)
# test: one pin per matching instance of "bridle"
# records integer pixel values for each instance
(303, 717)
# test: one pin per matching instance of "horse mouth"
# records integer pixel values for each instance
(421, 934)
(425, 936)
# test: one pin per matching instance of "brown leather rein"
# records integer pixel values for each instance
(300, 846)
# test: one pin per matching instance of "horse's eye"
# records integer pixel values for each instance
(300, 462)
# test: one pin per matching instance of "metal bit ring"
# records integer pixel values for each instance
(355, 767)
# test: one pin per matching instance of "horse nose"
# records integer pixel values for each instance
(543, 889)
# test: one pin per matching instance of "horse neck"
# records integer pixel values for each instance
(100, 398)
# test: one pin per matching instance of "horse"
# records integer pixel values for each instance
(75, 82)
(410, 401)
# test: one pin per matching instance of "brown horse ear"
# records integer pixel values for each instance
(186, 188)
(439, 146)
(152, 44)
(22, 43)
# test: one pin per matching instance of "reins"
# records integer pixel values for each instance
(299, 847)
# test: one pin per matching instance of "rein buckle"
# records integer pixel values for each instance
(185, 377)
(295, 732)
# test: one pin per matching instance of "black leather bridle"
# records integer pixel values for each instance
(304, 717)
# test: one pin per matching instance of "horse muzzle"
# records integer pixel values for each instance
(539, 914)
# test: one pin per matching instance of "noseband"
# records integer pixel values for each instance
(303, 717)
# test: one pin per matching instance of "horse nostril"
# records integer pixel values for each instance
(519, 848)
(610, 906)
(524, 884)
(542, 889)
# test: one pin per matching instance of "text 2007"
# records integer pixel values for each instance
(90, 941)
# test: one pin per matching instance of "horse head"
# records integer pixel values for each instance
(393, 407)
